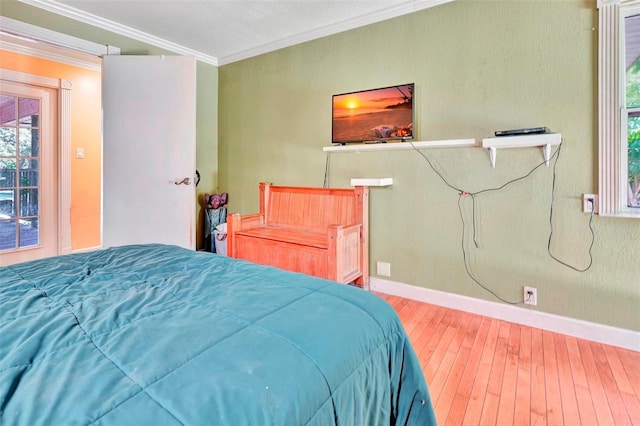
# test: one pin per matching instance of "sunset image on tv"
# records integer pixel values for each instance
(373, 115)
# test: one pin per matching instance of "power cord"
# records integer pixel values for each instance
(462, 193)
(528, 298)
(466, 265)
(450, 185)
(593, 236)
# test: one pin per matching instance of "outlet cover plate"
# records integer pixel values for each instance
(383, 269)
(586, 208)
(530, 296)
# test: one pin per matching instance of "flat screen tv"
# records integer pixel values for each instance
(376, 115)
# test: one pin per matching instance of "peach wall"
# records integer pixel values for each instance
(86, 132)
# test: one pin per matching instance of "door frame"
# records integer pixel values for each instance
(63, 87)
(63, 48)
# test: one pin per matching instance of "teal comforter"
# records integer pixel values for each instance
(160, 335)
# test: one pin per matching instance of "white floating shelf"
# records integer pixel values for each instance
(392, 146)
(545, 141)
(371, 181)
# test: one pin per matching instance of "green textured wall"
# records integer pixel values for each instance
(478, 66)
(206, 83)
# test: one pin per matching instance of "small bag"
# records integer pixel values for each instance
(220, 239)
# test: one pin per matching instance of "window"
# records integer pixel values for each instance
(619, 107)
(631, 101)
(19, 172)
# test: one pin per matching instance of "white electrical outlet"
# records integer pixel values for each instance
(589, 203)
(384, 269)
(530, 296)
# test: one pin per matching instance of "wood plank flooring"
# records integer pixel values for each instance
(484, 371)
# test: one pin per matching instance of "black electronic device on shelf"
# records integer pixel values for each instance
(522, 132)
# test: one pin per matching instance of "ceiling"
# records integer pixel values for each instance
(224, 31)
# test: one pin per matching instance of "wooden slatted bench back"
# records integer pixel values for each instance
(310, 209)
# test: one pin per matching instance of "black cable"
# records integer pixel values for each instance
(461, 193)
(555, 156)
(459, 190)
(466, 266)
(593, 236)
(473, 206)
(435, 170)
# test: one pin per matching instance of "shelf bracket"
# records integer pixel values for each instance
(544, 141)
(546, 152)
(492, 156)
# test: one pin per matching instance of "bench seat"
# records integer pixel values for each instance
(288, 235)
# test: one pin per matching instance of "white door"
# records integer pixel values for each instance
(149, 150)
(28, 172)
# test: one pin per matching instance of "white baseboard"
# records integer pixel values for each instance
(609, 335)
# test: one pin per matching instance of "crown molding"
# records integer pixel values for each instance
(44, 51)
(105, 24)
(87, 18)
(371, 18)
(28, 32)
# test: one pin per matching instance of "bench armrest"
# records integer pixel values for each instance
(236, 223)
(344, 252)
(248, 221)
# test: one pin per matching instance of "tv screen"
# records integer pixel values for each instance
(375, 115)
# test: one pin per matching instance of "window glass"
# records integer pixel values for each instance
(632, 103)
(19, 172)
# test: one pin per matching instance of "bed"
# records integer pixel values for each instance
(161, 335)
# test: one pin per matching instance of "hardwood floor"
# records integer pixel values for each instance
(490, 372)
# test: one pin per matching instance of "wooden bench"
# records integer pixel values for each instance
(317, 231)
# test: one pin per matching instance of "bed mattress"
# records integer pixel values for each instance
(161, 335)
